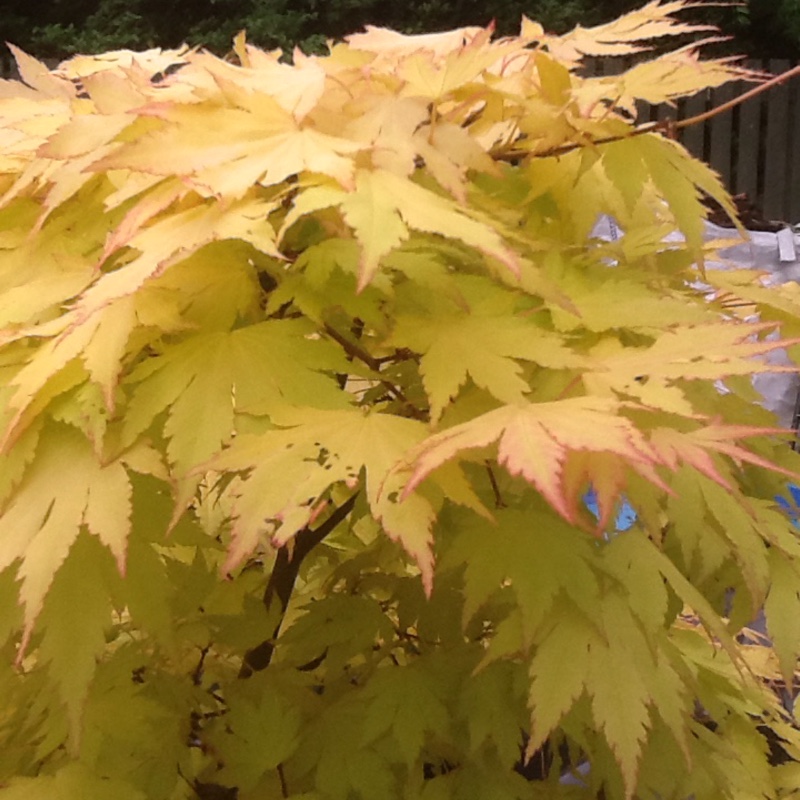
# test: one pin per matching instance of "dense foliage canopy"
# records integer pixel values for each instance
(307, 374)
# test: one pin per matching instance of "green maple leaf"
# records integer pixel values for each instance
(129, 727)
(617, 666)
(206, 379)
(624, 559)
(324, 281)
(559, 670)
(406, 702)
(680, 179)
(224, 289)
(737, 526)
(781, 607)
(478, 336)
(345, 766)
(343, 627)
(76, 614)
(595, 302)
(262, 730)
(538, 560)
(10, 612)
(72, 780)
(147, 589)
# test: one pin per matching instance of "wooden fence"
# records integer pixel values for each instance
(755, 147)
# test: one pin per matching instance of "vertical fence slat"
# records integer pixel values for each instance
(721, 134)
(775, 182)
(748, 143)
(793, 158)
(666, 111)
(693, 137)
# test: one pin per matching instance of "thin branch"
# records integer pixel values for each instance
(282, 778)
(498, 498)
(668, 126)
(197, 674)
(282, 579)
(352, 349)
(742, 98)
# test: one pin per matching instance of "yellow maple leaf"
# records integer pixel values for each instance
(175, 237)
(154, 60)
(297, 88)
(386, 125)
(622, 36)
(83, 134)
(679, 73)
(293, 467)
(36, 75)
(65, 487)
(384, 206)
(440, 78)
(649, 373)
(481, 337)
(391, 43)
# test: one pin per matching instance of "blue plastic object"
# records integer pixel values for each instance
(792, 508)
(626, 516)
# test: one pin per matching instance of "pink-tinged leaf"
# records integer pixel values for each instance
(408, 520)
(112, 92)
(535, 440)
(126, 62)
(607, 474)
(675, 447)
(697, 448)
(39, 77)
(158, 199)
(292, 468)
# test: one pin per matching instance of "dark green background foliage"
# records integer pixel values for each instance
(54, 28)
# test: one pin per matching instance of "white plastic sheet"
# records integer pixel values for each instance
(775, 253)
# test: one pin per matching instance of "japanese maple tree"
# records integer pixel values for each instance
(308, 366)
